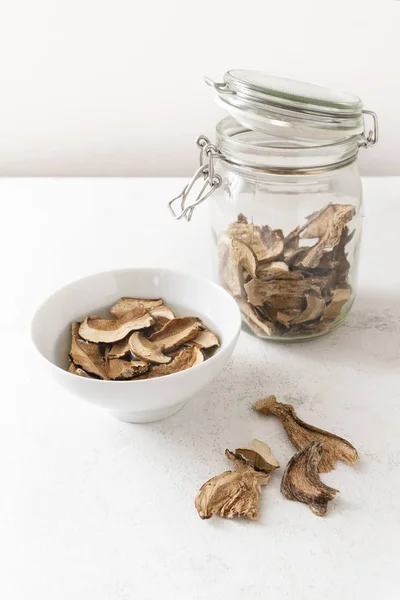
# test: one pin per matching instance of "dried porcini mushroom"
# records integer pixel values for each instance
(258, 456)
(301, 480)
(257, 323)
(301, 434)
(205, 339)
(119, 349)
(292, 286)
(141, 347)
(233, 494)
(86, 355)
(125, 369)
(78, 371)
(146, 341)
(186, 358)
(109, 330)
(174, 334)
(124, 305)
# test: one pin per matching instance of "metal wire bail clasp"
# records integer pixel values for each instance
(371, 139)
(212, 181)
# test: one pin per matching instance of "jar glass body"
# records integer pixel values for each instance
(287, 236)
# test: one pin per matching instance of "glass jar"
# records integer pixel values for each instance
(286, 201)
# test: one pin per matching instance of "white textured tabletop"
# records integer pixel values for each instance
(95, 509)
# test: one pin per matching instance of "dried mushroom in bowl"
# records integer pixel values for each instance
(144, 340)
(290, 286)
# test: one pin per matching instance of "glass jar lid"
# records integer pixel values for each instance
(288, 108)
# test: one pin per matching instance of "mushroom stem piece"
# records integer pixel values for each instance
(301, 434)
(301, 481)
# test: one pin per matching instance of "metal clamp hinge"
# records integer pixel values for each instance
(366, 141)
(212, 181)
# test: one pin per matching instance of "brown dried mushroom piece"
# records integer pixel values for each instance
(265, 243)
(340, 297)
(141, 347)
(107, 330)
(125, 305)
(314, 308)
(86, 355)
(258, 456)
(162, 314)
(176, 332)
(327, 225)
(205, 339)
(301, 434)
(125, 369)
(236, 259)
(301, 480)
(186, 359)
(279, 294)
(78, 371)
(232, 494)
(259, 325)
(119, 349)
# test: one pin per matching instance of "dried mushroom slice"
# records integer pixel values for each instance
(301, 481)
(280, 294)
(106, 330)
(119, 349)
(236, 260)
(185, 359)
(327, 225)
(232, 494)
(340, 297)
(162, 314)
(146, 350)
(125, 369)
(259, 326)
(176, 332)
(125, 305)
(301, 434)
(313, 310)
(86, 355)
(258, 456)
(205, 339)
(78, 371)
(273, 241)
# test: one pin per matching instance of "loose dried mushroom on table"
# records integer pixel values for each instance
(284, 288)
(237, 493)
(145, 340)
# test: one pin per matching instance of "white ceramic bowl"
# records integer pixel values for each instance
(146, 400)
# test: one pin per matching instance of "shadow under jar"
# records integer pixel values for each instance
(286, 204)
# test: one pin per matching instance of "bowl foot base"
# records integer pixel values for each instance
(146, 416)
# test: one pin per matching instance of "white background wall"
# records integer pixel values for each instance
(114, 87)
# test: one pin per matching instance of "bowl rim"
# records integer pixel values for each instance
(156, 270)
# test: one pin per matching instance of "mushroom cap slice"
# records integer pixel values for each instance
(78, 371)
(260, 326)
(108, 330)
(280, 294)
(125, 369)
(119, 349)
(162, 313)
(188, 357)
(314, 309)
(87, 355)
(146, 350)
(231, 494)
(176, 332)
(301, 480)
(124, 305)
(205, 339)
(258, 456)
(340, 297)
